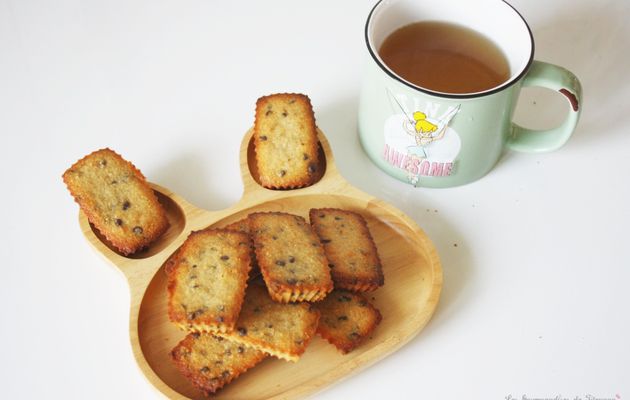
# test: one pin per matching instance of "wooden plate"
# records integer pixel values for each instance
(413, 281)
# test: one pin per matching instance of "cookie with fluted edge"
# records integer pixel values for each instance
(290, 257)
(347, 319)
(350, 249)
(210, 362)
(207, 278)
(117, 200)
(282, 330)
(285, 141)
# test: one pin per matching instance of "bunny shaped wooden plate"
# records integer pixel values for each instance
(413, 281)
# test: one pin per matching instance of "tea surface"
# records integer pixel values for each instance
(445, 57)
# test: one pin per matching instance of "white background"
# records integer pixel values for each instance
(535, 298)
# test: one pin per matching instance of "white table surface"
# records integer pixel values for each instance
(535, 300)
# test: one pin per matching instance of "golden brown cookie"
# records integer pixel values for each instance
(290, 257)
(282, 330)
(210, 362)
(347, 319)
(350, 249)
(117, 200)
(207, 280)
(285, 140)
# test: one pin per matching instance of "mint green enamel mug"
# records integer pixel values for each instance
(473, 129)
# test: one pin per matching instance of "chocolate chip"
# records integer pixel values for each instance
(291, 259)
(240, 349)
(343, 299)
(263, 138)
(305, 156)
(322, 215)
(285, 113)
(326, 240)
(196, 286)
(312, 168)
(256, 309)
(225, 258)
(269, 112)
(204, 370)
(196, 335)
(194, 266)
(291, 101)
(281, 263)
(274, 237)
(219, 338)
(242, 331)
(126, 205)
(119, 222)
(225, 374)
(114, 182)
(269, 326)
(283, 172)
(137, 230)
(331, 265)
(195, 314)
(338, 218)
(102, 163)
(342, 318)
(354, 335)
(221, 307)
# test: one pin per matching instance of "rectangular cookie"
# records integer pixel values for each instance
(285, 141)
(117, 200)
(282, 330)
(347, 319)
(350, 249)
(290, 257)
(207, 279)
(210, 362)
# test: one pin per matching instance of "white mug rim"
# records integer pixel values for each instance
(515, 78)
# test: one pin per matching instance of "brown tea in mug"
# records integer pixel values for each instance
(445, 57)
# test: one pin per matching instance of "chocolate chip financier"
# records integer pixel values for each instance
(350, 249)
(282, 330)
(285, 140)
(117, 200)
(347, 319)
(210, 362)
(290, 257)
(207, 278)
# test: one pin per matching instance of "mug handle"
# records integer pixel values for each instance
(558, 79)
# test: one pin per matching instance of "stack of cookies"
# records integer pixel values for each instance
(311, 276)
